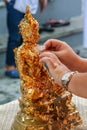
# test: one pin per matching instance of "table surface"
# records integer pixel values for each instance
(9, 110)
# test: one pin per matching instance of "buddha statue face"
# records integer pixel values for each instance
(29, 28)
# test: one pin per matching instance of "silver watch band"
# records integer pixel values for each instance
(66, 78)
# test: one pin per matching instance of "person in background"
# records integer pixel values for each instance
(65, 66)
(15, 12)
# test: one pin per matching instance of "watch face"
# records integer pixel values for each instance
(66, 78)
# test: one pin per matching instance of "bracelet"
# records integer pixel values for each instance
(66, 78)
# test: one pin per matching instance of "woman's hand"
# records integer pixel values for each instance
(78, 83)
(56, 68)
(64, 52)
(58, 53)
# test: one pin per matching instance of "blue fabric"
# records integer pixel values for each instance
(14, 39)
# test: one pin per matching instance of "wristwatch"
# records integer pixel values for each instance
(66, 78)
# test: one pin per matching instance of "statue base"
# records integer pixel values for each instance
(29, 122)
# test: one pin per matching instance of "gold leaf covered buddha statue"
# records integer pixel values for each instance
(44, 105)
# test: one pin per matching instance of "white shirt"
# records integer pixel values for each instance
(20, 5)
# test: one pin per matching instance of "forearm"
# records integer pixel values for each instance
(78, 84)
(79, 64)
(82, 65)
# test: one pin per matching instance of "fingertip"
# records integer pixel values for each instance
(41, 49)
(47, 44)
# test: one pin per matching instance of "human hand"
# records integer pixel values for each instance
(56, 68)
(64, 52)
(43, 4)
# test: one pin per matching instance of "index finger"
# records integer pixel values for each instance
(52, 44)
